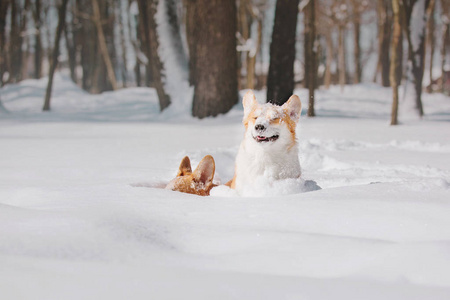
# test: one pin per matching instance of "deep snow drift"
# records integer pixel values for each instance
(82, 215)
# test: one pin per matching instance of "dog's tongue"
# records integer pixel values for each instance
(261, 138)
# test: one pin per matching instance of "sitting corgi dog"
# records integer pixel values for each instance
(199, 182)
(269, 148)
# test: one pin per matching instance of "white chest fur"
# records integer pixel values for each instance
(254, 161)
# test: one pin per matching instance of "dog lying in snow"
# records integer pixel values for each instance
(269, 150)
(199, 182)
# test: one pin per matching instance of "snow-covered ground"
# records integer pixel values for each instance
(82, 215)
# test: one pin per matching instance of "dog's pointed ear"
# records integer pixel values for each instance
(293, 107)
(249, 102)
(185, 167)
(204, 172)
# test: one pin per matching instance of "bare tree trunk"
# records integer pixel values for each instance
(54, 62)
(280, 80)
(37, 40)
(243, 37)
(356, 40)
(341, 57)
(258, 82)
(25, 47)
(384, 39)
(69, 35)
(385, 61)
(15, 43)
(416, 43)
(191, 36)
(253, 15)
(137, 73)
(307, 45)
(86, 39)
(431, 40)
(399, 53)
(48, 33)
(3, 11)
(137, 44)
(329, 60)
(445, 46)
(310, 54)
(251, 60)
(102, 44)
(123, 47)
(144, 34)
(216, 83)
(395, 61)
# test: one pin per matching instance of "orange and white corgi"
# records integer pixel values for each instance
(269, 148)
(199, 182)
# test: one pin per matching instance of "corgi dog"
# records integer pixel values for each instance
(199, 182)
(269, 148)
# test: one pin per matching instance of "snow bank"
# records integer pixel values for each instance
(269, 188)
(82, 214)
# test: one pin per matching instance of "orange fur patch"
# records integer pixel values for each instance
(251, 116)
(291, 125)
(198, 182)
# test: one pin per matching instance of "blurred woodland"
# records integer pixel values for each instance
(224, 46)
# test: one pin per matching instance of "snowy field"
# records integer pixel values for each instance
(82, 214)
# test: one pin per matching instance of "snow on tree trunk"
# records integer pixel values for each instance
(173, 56)
(147, 15)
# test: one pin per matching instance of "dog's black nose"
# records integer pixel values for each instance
(260, 127)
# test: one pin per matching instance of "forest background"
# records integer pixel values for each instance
(204, 52)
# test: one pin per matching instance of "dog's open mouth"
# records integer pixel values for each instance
(262, 139)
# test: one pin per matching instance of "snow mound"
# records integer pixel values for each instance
(269, 188)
